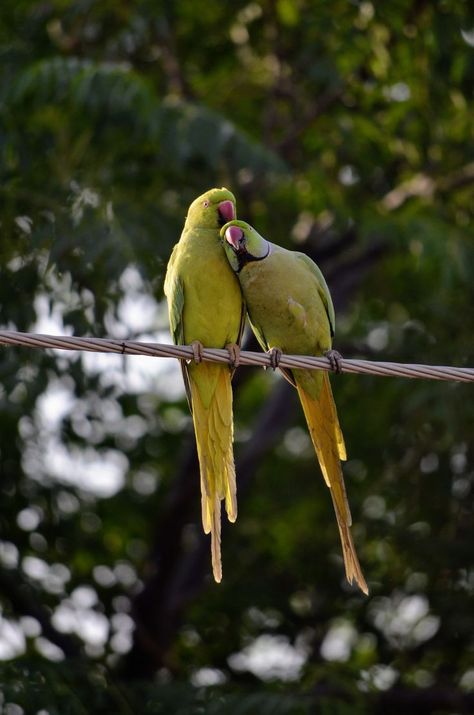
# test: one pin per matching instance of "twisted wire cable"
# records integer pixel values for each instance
(185, 352)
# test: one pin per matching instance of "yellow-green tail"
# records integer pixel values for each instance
(211, 394)
(326, 435)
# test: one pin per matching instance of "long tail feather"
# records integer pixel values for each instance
(328, 442)
(211, 393)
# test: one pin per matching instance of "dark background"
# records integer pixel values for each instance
(345, 130)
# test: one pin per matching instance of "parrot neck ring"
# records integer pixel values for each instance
(245, 257)
(235, 237)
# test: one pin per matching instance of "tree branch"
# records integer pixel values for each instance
(425, 187)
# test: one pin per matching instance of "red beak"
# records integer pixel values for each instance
(233, 235)
(226, 211)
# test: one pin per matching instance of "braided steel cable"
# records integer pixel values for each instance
(185, 352)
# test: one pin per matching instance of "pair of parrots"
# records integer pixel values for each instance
(220, 269)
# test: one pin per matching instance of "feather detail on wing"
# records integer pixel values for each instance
(329, 445)
(322, 288)
(174, 291)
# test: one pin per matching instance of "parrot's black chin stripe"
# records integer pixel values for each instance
(244, 257)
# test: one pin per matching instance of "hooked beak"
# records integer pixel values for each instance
(235, 237)
(226, 211)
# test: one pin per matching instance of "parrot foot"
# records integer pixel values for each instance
(197, 351)
(335, 360)
(234, 354)
(275, 357)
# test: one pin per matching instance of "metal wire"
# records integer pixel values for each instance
(185, 352)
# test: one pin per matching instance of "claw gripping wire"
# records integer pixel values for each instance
(185, 352)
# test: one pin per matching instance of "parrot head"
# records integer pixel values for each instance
(243, 244)
(212, 209)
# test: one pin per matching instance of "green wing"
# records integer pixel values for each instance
(174, 291)
(323, 289)
(176, 307)
(243, 315)
(260, 335)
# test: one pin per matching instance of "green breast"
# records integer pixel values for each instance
(212, 295)
(284, 304)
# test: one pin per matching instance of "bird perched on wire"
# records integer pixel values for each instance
(206, 309)
(290, 310)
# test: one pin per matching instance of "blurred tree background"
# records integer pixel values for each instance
(345, 130)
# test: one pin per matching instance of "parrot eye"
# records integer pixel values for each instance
(205, 204)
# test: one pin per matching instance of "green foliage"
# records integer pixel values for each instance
(58, 690)
(345, 130)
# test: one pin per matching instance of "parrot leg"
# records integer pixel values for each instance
(275, 357)
(335, 359)
(197, 351)
(234, 354)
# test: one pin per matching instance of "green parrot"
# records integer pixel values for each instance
(290, 310)
(206, 309)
